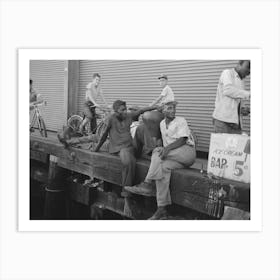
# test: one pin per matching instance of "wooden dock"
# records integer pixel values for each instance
(191, 189)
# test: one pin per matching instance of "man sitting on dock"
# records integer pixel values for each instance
(120, 139)
(177, 150)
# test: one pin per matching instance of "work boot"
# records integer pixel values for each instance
(160, 214)
(144, 188)
(62, 141)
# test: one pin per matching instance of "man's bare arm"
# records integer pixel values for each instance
(159, 98)
(177, 144)
(137, 113)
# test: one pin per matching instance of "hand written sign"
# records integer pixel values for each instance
(229, 156)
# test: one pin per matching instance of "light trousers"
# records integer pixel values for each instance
(160, 170)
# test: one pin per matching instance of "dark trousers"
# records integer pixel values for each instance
(224, 127)
(128, 161)
(147, 133)
(90, 114)
(143, 142)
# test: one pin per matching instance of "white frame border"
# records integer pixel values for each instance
(255, 224)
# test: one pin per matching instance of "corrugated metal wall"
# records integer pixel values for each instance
(194, 83)
(49, 80)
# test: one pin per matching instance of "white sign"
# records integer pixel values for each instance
(229, 156)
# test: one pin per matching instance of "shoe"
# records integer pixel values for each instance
(143, 188)
(62, 141)
(160, 214)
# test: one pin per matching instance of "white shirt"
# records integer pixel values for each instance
(167, 95)
(94, 92)
(230, 91)
(177, 128)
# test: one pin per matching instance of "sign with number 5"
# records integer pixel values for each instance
(229, 156)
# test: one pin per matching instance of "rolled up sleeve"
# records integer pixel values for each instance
(230, 89)
(182, 129)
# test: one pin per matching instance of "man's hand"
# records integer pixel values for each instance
(163, 152)
(159, 143)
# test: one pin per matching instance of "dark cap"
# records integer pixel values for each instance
(163, 76)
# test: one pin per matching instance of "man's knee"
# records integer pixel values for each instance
(168, 165)
(165, 166)
(127, 157)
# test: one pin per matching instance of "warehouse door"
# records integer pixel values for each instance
(194, 83)
(49, 80)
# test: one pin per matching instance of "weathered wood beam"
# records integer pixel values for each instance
(189, 187)
(73, 86)
(231, 213)
(39, 156)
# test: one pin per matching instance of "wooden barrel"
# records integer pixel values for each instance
(151, 121)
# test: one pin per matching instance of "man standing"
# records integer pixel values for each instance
(92, 93)
(120, 139)
(230, 92)
(178, 151)
(34, 97)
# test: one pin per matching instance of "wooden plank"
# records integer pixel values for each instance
(192, 181)
(189, 187)
(109, 201)
(39, 156)
(106, 172)
(77, 167)
(81, 193)
(204, 205)
(241, 206)
(231, 213)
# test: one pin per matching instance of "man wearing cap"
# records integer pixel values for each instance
(176, 150)
(147, 133)
(230, 92)
(166, 93)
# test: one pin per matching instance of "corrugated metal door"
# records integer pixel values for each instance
(194, 83)
(49, 80)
